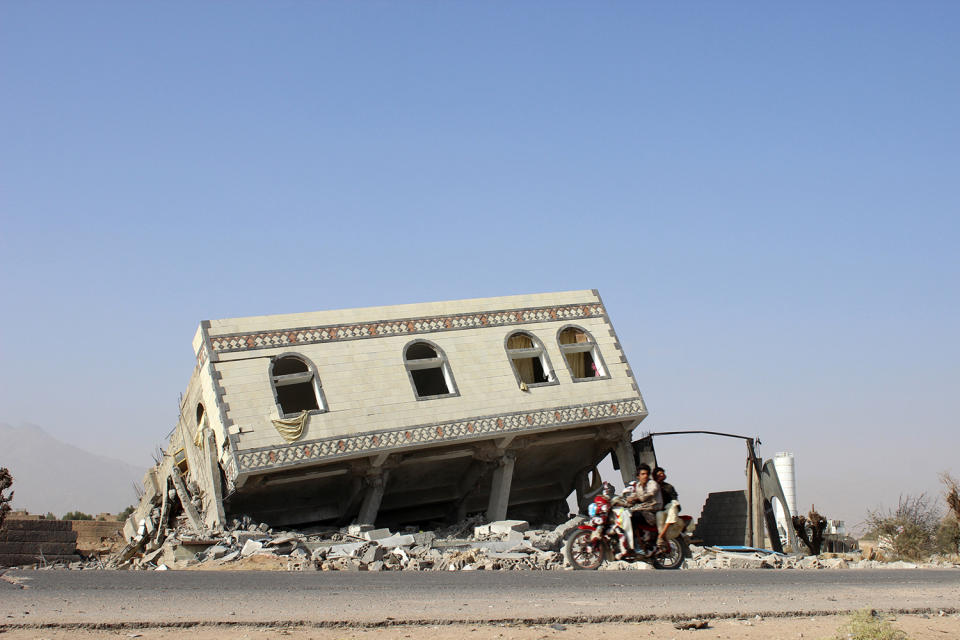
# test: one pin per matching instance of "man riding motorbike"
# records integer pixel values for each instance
(644, 500)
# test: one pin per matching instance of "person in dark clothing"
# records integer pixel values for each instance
(671, 506)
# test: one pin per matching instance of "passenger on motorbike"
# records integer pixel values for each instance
(644, 498)
(671, 506)
(613, 529)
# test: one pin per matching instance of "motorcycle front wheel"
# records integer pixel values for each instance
(671, 559)
(582, 552)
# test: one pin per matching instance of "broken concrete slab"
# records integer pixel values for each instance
(356, 530)
(347, 550)
(250, 547)
(504, 527)
(217, 551)
(396, 540)
(376, 534)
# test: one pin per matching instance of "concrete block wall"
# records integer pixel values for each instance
(24, 542)
(724, 519)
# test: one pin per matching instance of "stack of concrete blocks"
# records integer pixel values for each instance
(724, 520)
(375, 452)
(29, 541)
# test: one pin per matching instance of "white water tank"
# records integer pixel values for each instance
(786, 471)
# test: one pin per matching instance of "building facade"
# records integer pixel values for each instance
(400, 414)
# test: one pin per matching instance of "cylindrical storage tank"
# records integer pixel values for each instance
(786, 471)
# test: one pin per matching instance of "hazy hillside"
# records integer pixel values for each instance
(50, 475)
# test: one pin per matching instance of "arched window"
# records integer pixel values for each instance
(581, 354)
(429, 371)
(529, 360)
(295, 386)
(200, 415)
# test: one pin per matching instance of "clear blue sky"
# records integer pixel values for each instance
(765, 195)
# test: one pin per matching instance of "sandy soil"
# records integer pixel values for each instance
(917, 626)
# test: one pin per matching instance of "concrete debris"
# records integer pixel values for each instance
(250, 547)
(499, 546)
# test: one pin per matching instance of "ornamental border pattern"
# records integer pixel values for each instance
(407, 326)
(408, 437)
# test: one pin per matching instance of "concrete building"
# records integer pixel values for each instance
(402, 414)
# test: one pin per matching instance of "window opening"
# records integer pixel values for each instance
(429, 371)
(580, 352)
(201, 423)
(295, 386)
(528, 359)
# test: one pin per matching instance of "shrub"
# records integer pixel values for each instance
(867, 625)
(910, 529)
(948, 535)
(123, 515)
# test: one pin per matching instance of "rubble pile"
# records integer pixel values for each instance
(466, 546)
(470, 545)
(504, 545)
(715, 558)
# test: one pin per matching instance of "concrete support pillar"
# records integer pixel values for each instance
(469, 484)
(582, 487)
(215, 516)
(500, 487)
(628, 465)
(755, 535)
(195, 521)
(376, 484)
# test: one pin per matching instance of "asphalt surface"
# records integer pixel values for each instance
(190, 597)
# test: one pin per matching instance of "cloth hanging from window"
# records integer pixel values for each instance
(198, 436)
(291, 428)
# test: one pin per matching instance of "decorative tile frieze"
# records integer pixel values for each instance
(408, 326)
(411, 437)
(201, 357)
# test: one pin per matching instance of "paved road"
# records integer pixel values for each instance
(121, 597)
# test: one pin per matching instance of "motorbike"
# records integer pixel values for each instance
(608, 534)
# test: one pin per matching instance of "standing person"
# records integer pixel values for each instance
(671, 505)
(644, 499)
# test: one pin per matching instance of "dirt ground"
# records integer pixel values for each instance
(918, 627)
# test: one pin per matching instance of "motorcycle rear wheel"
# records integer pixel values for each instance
(582, 552)
(671, 559)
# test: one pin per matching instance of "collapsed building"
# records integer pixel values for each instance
(398, 415)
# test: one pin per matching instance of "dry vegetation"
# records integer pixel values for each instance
(917, 528)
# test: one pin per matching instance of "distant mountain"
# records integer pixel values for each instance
(50, 475)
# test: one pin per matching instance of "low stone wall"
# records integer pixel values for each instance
(97, 537)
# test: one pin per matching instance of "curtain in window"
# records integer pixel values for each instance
(578, 364)
(525, 369)
(519, 341)
(524, 365)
